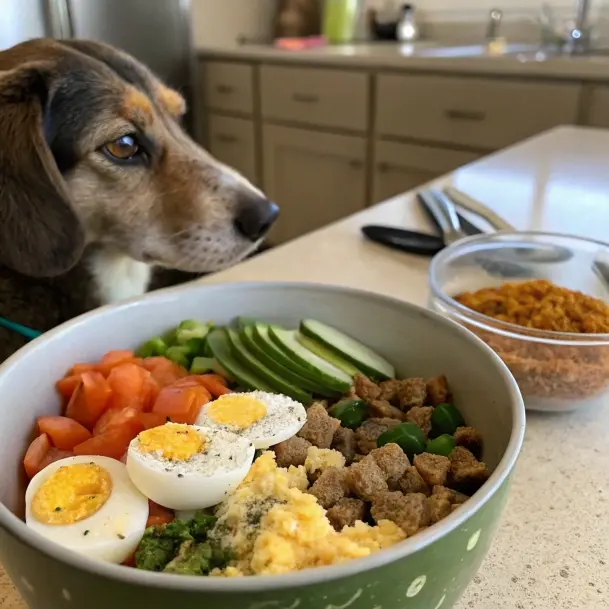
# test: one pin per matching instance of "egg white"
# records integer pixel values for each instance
(197, 483)
(114, 531)
(284, 418)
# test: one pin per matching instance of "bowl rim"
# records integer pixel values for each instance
(504, 328)
(258, 583)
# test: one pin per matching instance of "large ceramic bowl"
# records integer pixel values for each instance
(429, 571)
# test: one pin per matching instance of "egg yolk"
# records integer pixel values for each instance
(72, 493)
(173, 441)
(237, 410)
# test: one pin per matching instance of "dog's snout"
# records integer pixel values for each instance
(255, 216)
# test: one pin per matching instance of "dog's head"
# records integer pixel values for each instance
(91, 151)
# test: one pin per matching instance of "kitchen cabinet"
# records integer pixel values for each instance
(233, 142)
(316, 178)
(402, 167)
(228, 87)
(598, 108)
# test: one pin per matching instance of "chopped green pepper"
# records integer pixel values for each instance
(179, 355)
(154, 347)
(442, 445)
(190, 329)
(445, 419)
(196, 346)
(351, 413)
(201, 365)
(408, 436)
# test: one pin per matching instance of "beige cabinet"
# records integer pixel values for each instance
(233, 142)
(598, 108)
(485, 113)
(228, 87)
(399, 168)
(315, 178)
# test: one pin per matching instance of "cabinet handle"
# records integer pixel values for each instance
(224, 89)
(465, 115)
(383, 167)
(305, 98)
(227, 138)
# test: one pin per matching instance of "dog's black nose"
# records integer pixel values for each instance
(255, 216)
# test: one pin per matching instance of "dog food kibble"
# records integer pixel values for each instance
(542, 305)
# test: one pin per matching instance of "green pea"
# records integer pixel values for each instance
(351, 413)
(154, 347)
(179, 355)
(442, 445)
(407, 436)
(445, 420)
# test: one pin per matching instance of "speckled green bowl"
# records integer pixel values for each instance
(428, 571)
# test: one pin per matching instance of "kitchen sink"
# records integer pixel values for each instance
(475, 50)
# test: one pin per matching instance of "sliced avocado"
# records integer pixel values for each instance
(263, 339)
(327, 373)
(247, 336)
(325, 353)
(345, 346)
(219, 345)
(279, 384)
(244, 322)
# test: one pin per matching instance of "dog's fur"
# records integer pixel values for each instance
(78, 228)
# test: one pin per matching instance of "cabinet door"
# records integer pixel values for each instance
(315, 178)
(598, 110)
(233, 142)
(402, 167)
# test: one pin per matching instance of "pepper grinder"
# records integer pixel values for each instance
(408, 29)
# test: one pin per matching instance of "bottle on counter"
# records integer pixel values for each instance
(408, 28)
(340, 20)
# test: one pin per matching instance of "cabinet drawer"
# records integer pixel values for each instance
(229, 86)
(480, 112)
(233, 142)
(328, 98)
(401, 167)
(598, 110)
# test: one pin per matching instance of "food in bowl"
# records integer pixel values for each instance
(542, 370)
(153, 463)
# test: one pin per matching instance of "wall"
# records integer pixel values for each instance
(224, 21)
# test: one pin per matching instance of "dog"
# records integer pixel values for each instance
(100, 186)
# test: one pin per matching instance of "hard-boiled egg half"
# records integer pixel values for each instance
(88, 504)
(187, 467)
(263, 418)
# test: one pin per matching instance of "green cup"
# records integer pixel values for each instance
(339, 20)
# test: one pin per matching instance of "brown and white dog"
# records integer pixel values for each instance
(99, 185)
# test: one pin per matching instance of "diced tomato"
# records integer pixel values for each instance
(158, 514)
(67, 385)
(90, 399)
(55, 454)
(150, 393)
(152, 419)
(112, 359)
(181, 404)
(113, 442)
(36, 454)
(215, 384)
(129, 387)
(115, 418)
(63, 432)
(78, 369)
(164, 371)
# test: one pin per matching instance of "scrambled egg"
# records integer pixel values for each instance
(319, 459)
(273, 526)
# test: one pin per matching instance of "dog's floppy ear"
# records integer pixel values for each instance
(40, 233)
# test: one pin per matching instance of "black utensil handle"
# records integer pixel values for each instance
(403, 240)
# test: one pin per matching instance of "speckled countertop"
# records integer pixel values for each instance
(426, 57)
(552, 551)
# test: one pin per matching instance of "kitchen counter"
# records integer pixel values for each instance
(418, 57)
(552, 551)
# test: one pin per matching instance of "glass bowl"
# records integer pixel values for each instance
(556, 371)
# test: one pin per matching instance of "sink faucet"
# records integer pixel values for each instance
(494, 23)
(579, 36)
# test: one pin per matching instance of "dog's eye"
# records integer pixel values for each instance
(123, 149)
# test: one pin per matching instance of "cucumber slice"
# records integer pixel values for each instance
(244, 322)
(352, 350)
(325, 353)
(219, 345)
(247, 337)
(327, 373)
(278, 383)
(263, 339)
